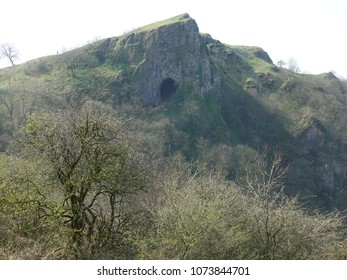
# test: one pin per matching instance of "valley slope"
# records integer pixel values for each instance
(206, 100)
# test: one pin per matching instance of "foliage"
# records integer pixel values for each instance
(92, 169)
(30, 228)
(184, 179)
(76, 193)
(279, 227)
(198, 215)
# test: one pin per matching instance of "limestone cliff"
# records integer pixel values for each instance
(165, 56)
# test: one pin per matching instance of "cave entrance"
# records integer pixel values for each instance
(168, 89)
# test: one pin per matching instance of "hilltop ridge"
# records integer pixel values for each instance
(210, 95)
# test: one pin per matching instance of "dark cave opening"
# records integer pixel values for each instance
(167, 89)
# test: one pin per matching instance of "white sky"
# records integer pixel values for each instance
(312, 31)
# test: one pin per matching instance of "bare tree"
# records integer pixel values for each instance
(10, 51)
(293, 65)
(92, 167)
(281, 63)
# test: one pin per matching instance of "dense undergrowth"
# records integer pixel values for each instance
(86, 184)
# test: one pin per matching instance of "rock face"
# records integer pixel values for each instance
(169, 55)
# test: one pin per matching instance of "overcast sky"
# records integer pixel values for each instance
(314, 32)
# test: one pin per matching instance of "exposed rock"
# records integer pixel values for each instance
(172, 50)
(330, 76)
(250, 86)
(267, 80)
(311, 133)
(207, 39)
(332, 172)
(315, 132)
(259, 52)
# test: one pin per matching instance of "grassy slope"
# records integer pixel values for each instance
(260, 105)
(159, 24)
(267, 105)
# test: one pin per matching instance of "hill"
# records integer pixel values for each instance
(207, 100)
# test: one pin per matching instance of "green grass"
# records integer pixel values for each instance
(156, 25)
(248, 54)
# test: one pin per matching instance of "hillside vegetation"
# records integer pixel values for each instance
(164, 143)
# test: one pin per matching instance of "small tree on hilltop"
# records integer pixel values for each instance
(281, 63)
(293, 65)
(9, 51)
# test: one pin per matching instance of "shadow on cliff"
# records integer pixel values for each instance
(315, 174)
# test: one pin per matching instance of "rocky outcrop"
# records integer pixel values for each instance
(259, 52)
(167, 56)
(332, 173)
